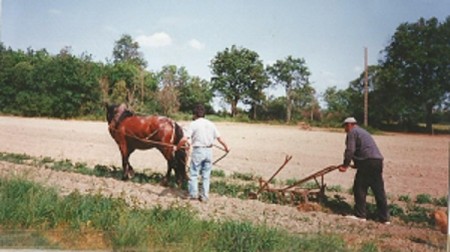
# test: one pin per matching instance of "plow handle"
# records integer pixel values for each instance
(319, 173)
(288, 158)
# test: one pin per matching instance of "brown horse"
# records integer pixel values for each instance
(133, 132)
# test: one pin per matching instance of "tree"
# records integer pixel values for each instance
(338, 104)
(129, 61)
(127, 50)
(238, 75)
(124, 83)
(255, 96)
(355, 96)
(274, 108)
(306, 103)
(418, 58)
(195, 91)
(291, 73)
(170, 80)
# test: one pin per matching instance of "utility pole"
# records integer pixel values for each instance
(366, 90)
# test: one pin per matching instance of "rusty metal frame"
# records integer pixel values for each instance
(291, 193)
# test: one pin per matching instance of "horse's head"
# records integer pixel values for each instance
(110, 112)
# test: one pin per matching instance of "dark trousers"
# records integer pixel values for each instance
(370, 174)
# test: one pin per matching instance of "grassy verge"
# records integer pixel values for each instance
(33, 216)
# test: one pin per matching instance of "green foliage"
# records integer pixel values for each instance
(175, 226)
(14, 158)
(127, 51)
(243, 176)
(238, 75)
(95, 210)
(293, 75)
(326, 243)
(37, 84)
(273, 109)
(411, 214)
(24, 204)
(424, 199)
(416, 71)
(27, 205)
(223, 188)
(218, 173)
(338, 105)
(442, 201)
(417, 214)
(335, 188)
(369, 247)
(410, 85)
(243, 236)
(404, 198)
(396, 210)
(130, 231)
(195, 91)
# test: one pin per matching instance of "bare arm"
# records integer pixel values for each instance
(222, 142)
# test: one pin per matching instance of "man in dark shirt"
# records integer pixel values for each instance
(362, 149)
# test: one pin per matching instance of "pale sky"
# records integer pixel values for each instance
(329, 34)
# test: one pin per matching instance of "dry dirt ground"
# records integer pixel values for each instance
(414, 164)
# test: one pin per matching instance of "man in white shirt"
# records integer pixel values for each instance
(202, 133)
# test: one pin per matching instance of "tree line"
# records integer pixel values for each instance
(409, 85)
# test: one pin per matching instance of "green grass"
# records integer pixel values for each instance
(28, 206)
(243, 176)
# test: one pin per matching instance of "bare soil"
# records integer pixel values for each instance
(414, 164)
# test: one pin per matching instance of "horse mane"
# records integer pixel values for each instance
(118, 113)
(125, 114)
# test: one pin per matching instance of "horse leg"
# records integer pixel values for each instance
(168, 155)
(125, 164)
(166, 179)
(180, 166)
(128, 171)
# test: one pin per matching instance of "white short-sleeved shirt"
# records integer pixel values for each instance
(202, 133)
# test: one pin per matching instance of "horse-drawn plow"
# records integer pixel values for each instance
(299, 191)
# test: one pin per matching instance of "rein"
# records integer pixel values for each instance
(148, 141)
(221, 157)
